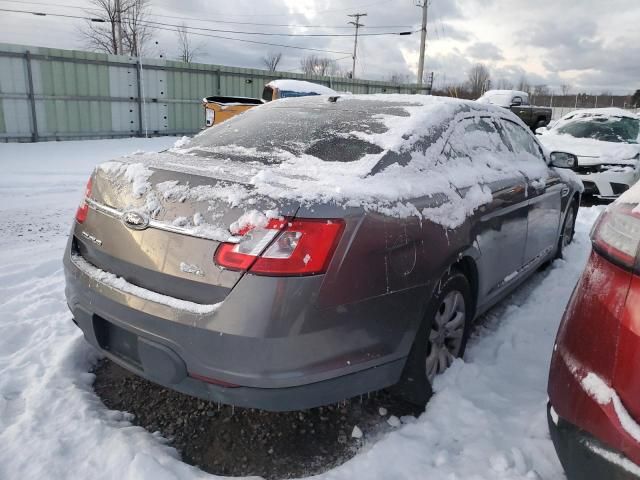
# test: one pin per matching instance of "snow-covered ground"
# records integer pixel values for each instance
(486, 421)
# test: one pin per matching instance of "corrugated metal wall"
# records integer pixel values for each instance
(52, 94)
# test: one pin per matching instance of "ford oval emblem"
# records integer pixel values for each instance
(135, 220)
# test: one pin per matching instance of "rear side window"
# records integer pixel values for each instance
(521, 140)
(475, 137)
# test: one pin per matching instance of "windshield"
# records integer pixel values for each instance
(272, 132)
(605, 129)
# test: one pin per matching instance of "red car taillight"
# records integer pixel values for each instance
(283, 247)
(616, 236)
(83, 209)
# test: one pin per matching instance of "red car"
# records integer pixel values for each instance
(594, 382)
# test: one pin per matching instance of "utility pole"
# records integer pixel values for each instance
(356, 24)
(119, 20)
(423, 39)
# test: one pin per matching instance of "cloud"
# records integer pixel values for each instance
(591, 44)
(484, 51)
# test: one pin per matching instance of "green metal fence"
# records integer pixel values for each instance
(53, 94)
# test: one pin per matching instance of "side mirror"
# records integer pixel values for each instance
(541, 130)
(516, 101)
(563, 160)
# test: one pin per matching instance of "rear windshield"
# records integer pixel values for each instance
(329, 133)
(292, 94)
(606, 129)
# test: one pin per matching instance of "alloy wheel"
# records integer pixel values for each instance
(447, 332)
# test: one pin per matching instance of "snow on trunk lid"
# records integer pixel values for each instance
(159, 229)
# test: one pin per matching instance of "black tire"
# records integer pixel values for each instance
(540, 123)
(415, 385)
(568, 228)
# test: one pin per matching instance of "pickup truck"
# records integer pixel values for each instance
(217, 109)
(518, 103)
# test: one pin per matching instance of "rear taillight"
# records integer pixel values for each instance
(83, 209)
(283, 247)
(616, 236)
(209, 116)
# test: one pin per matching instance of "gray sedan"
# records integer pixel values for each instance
(314, 249)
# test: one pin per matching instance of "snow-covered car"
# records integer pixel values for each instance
(217, 109)
(518, 103)
(346, 248)
(594, 383)
(607, 144)
(288, 88)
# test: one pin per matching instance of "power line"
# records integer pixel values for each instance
(150, 23)
(272, 24)
(272, 34)
(208, 20)
(99, 20)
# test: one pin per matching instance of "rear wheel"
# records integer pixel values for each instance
(441, 338)
(568, 228)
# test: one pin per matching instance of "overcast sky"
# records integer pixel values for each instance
(592, 45)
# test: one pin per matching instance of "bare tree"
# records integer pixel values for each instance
(504, 84)
(315, 65)
(188, 51)
(456, 90)
(524, 85)
(104, 36)
(400, 78)
(540, 90)
(565, 88)
(271, 60)
(135, 31)
(479, 79)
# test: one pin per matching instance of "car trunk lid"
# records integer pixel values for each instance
(157, 222)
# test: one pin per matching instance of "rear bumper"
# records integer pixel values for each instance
(585, 458)
(298, 371)
(157, 362)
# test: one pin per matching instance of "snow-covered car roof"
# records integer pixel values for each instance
(301, 86)
(593, 112)
(377, 152)
(501, 97)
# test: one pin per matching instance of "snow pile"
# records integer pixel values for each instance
(421, 154)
